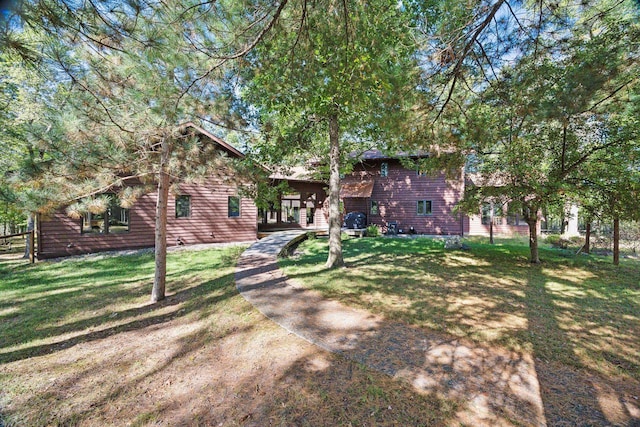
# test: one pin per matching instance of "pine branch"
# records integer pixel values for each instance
(237, 55)
(465, 52)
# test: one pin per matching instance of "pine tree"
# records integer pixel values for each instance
(334, 77)
(134, 74)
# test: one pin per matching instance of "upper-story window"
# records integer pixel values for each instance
(183, 206)
(384, 169)
(114, 219)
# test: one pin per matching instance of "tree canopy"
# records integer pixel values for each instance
(131, 75)
(528, 130)
(334, 77)
(537, 100)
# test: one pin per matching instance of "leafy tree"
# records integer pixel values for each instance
(528, 130)
(134, 73)
(335, 76)
(610, 184)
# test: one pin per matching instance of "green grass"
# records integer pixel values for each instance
(575, 310)
(53, 304)
(80, 344)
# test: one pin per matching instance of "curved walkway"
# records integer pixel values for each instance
(494, 386)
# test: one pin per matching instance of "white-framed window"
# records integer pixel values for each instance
(115, 219)
(384, 169)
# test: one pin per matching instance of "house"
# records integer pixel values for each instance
(395, 197)
(392, 196)
(210, 212)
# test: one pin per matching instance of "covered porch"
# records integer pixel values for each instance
(301, 207)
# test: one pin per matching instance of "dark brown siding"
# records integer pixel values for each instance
(60, 235)
(209, 221)
(397, 196)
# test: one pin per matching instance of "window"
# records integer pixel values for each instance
(384, 169)
(234, 206)
(374, 208)
(290, 208)
(93, 223)
(424, 207)
(183, 206)
(512, 216)
(513, 219)
(118, 217)
(486, 214)
(115, 219)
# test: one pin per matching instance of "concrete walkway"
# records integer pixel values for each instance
(493, 386)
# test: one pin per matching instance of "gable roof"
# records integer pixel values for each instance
(379, 155)
(224, 145)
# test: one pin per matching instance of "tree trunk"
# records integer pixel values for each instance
(159, 280)
(532, 221)
(335, 244)
(587, 238)
(491, 224)
(616, 240)
(28, 249)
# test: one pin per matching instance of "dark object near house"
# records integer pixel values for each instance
(355, 220)
(412, 230)
(392, 228)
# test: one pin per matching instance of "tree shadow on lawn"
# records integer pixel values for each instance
(45, 301)
(281, 380)
(488, 386)
(574, 328)
(188, 299)
(574, 391)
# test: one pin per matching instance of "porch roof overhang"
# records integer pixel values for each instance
(355, 190)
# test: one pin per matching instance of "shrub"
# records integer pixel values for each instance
(577, 240)
(557, 241)
(373, 230)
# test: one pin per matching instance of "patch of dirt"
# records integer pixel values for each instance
(222, 366)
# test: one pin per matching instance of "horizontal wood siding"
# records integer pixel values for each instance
(209, 221)
(476, 228)
(356, 204)
(398, 193)
(61, 235)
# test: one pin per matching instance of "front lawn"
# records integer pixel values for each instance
(576, 315)
(80, 345)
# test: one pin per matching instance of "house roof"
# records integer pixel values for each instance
(362, 189)
(296, 173)
(224, 145)
(379, 155)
